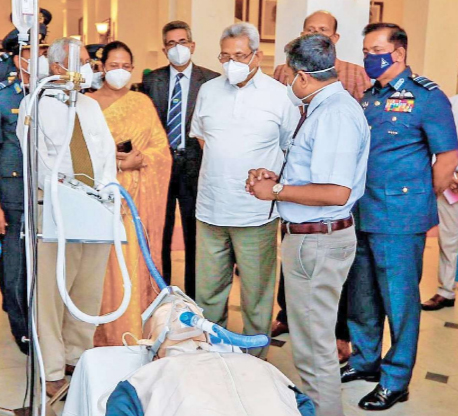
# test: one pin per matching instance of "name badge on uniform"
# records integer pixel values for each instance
(15, 111)
(17, 88)
(400, 105)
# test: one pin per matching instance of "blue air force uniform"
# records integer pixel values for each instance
(13, 283)
(410, 120)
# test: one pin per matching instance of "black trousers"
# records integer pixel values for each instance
(183, 189)
(13, 277)
(342, 331)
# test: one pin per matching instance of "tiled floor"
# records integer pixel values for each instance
(433, 391)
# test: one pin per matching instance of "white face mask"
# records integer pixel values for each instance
(179, 55)
(298, 102)
(237, 72)
(86, 72)
(118, 78)
(97, 80)
(43, 66)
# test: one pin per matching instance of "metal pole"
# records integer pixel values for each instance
(32, 229)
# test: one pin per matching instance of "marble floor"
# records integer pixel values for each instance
(433, 391)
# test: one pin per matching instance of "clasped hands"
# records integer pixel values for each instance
(130, 161)
(260, 183)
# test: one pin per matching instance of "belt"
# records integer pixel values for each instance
(322, 227)
(178, 152)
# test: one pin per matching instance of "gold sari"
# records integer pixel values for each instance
(134, 117)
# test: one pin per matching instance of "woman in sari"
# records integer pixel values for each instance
(144, 172)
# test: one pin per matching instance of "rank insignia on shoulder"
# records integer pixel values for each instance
(424, 82)
(399, 84)
(398, 105)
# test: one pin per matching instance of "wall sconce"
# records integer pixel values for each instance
(103, 29)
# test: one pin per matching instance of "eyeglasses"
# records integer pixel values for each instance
(238, 57)
(172, 43)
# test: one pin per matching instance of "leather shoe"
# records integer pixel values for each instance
(343, 350)
(279, 328)
(69, 369)
(348, 373)
(55, 387)
(437, 302)
(382, 399)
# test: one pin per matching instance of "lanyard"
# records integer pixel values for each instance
(299, 125)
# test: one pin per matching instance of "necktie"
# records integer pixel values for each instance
(174, 117)
(81, 159)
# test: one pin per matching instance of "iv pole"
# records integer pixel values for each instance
(31, 230)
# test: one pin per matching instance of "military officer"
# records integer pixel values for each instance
(13, 283)
(410, 119)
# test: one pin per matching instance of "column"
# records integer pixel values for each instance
(136, 24)
(352, 16)
(433, 44)
(56, 27)
(209, 19)
(140, 27)
(73, 18)
(90, 34)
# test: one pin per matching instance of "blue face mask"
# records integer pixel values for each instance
(376, 65)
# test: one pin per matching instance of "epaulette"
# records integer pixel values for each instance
(4, 84)
(424, 82)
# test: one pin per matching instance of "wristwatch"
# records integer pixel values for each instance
(277, 188)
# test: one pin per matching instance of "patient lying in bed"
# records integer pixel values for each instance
(191, 376)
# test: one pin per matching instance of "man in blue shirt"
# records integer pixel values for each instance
(410, 119)
(324, 175)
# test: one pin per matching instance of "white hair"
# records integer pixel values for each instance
(58, 50)
(243, 29)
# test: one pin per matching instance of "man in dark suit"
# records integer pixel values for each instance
(174, 89)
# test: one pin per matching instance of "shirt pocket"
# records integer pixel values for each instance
(406, 198)
(396, 122)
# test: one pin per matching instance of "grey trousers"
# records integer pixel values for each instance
(63, 338)
(316, 267)
(254, 249)
(448, 245)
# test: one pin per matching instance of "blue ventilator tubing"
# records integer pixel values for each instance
(141, 238)
(222, 335)
(218, 334)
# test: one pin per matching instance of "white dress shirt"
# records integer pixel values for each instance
(184, 82)
(53, 116)
(243, 128)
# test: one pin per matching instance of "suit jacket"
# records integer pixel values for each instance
(156, 84)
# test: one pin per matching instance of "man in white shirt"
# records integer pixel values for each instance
(242, 119)
(91, 159)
